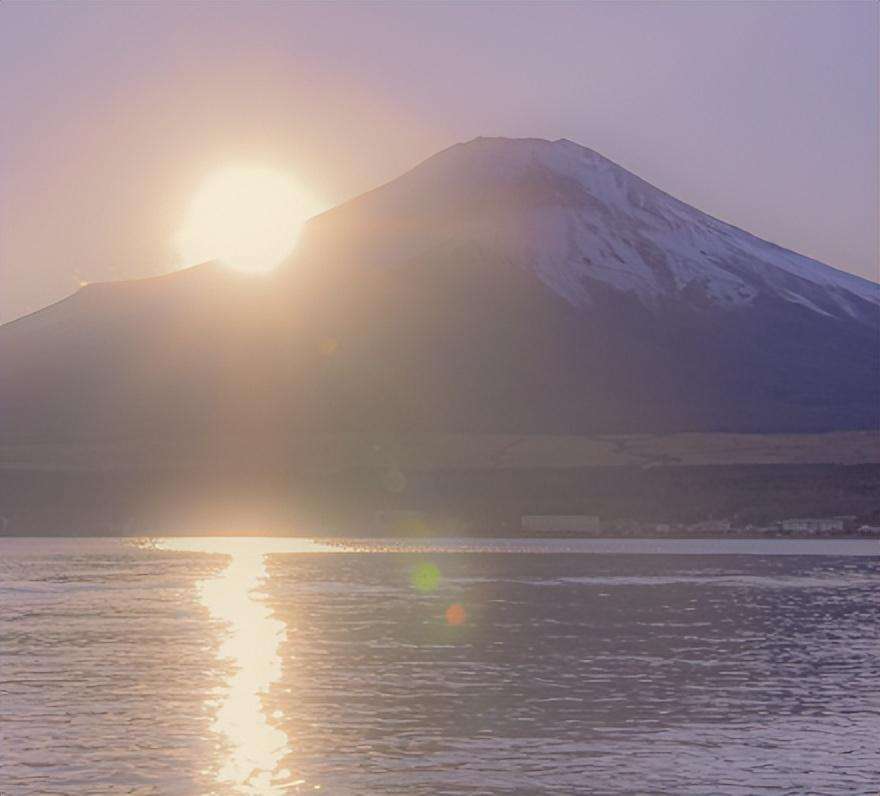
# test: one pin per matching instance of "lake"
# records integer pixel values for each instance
(199, 666)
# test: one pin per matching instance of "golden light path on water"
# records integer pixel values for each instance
(251, 643)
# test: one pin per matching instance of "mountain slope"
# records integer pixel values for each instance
(576, 219)
(501, 286)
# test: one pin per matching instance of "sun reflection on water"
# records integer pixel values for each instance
(251, 644)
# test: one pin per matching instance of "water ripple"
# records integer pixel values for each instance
(243, 667)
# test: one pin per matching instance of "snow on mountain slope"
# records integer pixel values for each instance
(579, 221)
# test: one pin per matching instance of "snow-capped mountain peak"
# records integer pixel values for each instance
(582, 224)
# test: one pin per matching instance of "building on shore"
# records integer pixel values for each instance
(560, 523)
(814, 524)
(711, 526)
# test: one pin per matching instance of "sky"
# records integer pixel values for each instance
(762, 114)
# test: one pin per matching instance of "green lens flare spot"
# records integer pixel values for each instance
(425, 577)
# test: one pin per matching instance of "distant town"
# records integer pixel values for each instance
(420, 523)
(799, 526)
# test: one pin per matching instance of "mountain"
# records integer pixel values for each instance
(583, 225)
(502, 286)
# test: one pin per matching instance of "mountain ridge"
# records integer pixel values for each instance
(645, 256)
(477, 293)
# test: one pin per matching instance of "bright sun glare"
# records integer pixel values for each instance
(249, 218)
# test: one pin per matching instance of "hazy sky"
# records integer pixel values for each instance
(765, 115)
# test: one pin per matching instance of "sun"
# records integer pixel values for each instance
(247, 217)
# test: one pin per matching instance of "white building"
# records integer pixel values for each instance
(560, 523)
(711, 526)
(813, 524)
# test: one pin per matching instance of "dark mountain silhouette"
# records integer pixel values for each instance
(501, 286)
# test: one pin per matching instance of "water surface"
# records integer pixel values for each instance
(261, 666)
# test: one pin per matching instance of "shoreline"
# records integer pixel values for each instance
(342, 538)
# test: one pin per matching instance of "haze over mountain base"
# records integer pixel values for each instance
(422, 485)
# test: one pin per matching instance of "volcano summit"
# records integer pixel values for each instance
(502, 286)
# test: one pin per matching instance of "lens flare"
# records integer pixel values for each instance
(425, 577)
